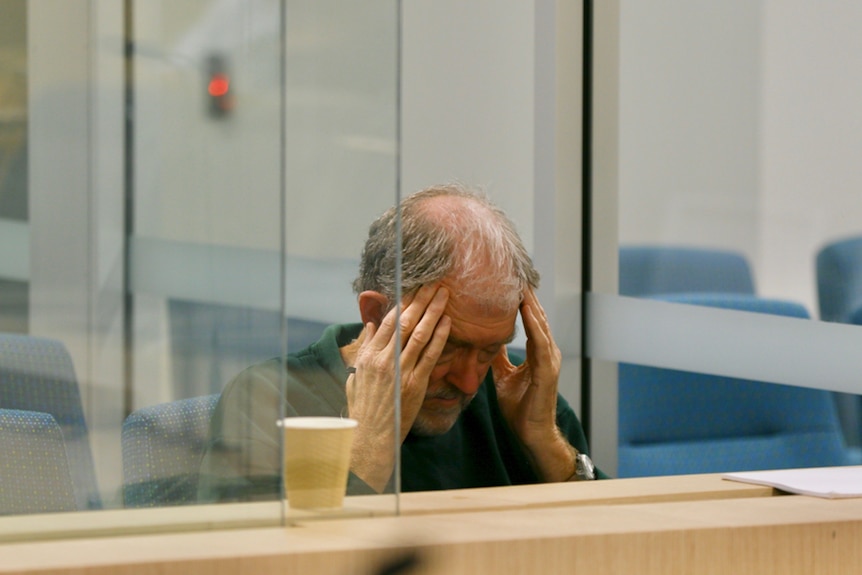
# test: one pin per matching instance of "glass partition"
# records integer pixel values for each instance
(737, 190)
(13, 167)
(185, 189)
(199, 178)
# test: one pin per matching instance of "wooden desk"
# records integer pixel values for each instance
(269, 514)
(631, 533)
(761, 535)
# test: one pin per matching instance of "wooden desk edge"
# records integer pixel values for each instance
(269, 514)
(615, 491)
(780, 535)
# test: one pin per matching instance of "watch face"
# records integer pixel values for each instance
(585, 468)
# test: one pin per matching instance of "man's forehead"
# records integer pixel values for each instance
(469, 343)
(481, 330)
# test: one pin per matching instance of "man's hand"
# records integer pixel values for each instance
(528, 395)
(371, 390)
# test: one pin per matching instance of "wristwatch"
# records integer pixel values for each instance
(584, 468)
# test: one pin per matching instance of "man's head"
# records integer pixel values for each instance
(455, 237)
(448, 231)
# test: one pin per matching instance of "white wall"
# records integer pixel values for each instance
(811, 139)
(689, 88)
(491, 96)
(740, 127)
(467, 100)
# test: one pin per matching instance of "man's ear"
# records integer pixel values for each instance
(373, 306)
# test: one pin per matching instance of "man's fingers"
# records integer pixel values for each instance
(429, 356)
(537, 322)
(533, 301)
(540, 343)
(412, 310)
(421, 315)
(422, 332)
(420, 328)
(383, 333)
(537, 332)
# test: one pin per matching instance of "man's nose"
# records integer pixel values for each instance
(466, 373)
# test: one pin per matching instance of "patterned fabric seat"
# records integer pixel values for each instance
(36, 374)
(34, 470)
(162, 448)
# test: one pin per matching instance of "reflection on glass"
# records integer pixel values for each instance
(206, 159)
(177, 225)
(240, 256)
(44, 459)
(13, 166)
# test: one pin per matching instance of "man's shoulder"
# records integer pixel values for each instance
(265, 373)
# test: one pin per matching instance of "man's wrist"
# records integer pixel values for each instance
(373, 462)
(554, 460)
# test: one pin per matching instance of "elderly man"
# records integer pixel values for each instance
(469, 417)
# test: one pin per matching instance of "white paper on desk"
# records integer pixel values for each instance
(829, 482)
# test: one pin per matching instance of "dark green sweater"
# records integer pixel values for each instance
(242, 460)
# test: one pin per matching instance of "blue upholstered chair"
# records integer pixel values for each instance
(839, 279)
(850, 406)
(838, 269)
(653, 270)
(34, 469)
(36, 374)
(855, 316)
(674, 422)
(162, 448)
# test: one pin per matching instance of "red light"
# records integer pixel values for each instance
(219, 85)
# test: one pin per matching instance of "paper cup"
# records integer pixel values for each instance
(316, 460)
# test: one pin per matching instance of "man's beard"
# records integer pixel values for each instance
(437, 421)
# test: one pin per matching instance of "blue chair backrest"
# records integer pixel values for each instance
(162, 448)
(839, 279)
(34, 468)
(676, 422)
(839, 299)
(653, 270)
(36, 374)
(855, 316)
(850, 405)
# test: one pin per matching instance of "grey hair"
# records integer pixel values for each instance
(460, 235)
